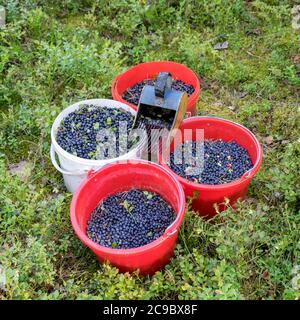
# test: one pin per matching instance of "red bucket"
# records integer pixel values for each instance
(212, 197)
(119, 177)
(148, 70)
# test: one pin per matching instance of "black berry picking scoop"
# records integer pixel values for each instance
(160, 107)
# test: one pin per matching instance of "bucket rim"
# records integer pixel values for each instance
(98, 103)
(200, 186)
(171, 230)
(191, 100)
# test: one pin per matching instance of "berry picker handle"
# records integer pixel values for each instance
(163, 82)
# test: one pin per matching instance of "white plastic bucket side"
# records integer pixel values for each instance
(75, 169)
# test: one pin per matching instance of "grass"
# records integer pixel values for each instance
(55, 53)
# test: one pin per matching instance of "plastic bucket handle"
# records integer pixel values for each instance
(58, 168)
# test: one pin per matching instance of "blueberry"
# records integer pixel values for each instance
(130, 219)
(223, 162)
(132, 94)
(78, 133)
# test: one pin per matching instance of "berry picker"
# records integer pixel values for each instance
(160, 107)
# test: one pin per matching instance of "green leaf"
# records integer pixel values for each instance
(127, 206)
(108, 121)
(114, 245)
(96, 125)
(148, 194)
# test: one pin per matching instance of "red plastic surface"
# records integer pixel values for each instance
(122, 176)
(211, 195)
(148, 70)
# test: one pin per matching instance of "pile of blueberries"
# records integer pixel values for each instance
(130, 219)
(132, 94)
(210, 161)
(79, 133)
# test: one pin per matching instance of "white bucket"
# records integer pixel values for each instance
(75, 169)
